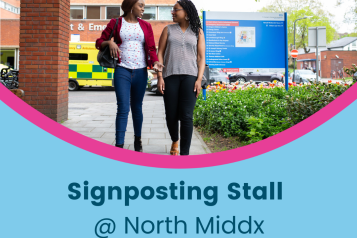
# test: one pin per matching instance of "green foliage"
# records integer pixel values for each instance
(301, 105)
(351, 12)
(349, 35)
(350, 71)
(297, 9)
(302, 27)
(254, 114)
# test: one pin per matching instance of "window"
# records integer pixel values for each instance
(150, 13)
(165, 13)
(78, 56)
(93, 12)
(77, 12)
(9, 7)
(354, 43)
(113, 12)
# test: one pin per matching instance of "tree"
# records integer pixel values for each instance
(288, 6)
(349, 35)
(201, 16)
(351, 13)
(300, 8)
(302, 27)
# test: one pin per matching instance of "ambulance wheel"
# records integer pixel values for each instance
(73, 85)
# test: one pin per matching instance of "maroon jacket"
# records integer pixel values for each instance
(150, 49)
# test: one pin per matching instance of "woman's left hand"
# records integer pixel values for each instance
(198, 86)
(158, 67)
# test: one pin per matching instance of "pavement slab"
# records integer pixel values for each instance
(97, 121)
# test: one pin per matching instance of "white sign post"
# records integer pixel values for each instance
(317, 38)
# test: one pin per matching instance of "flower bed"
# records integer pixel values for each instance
(257, 111)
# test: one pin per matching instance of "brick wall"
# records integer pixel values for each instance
(325, 67)
(44, 32)
(92, 35)
(157, 27)
(147, 2)
(160, 1)
(348, 57)
(304, 56)
(9, 32)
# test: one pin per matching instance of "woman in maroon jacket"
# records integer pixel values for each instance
(134, 46)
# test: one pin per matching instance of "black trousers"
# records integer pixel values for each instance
(180, 101)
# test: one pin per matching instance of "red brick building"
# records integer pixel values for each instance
(331, 62)
(9, 32)
(36, 42)
(87, 20)
(89, 17)
(339, 54)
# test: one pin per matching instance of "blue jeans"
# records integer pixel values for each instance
(130, 85)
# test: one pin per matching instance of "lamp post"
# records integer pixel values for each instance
(294, 40)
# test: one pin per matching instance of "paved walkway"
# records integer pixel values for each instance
(97, 121)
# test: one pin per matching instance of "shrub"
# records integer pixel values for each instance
(350, 71)
(255, 112)
(300, 106)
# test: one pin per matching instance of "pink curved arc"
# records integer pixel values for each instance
(178, 162)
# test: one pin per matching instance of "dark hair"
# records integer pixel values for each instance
(192, 15)
(127, 5)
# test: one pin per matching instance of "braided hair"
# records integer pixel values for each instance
(192, 15)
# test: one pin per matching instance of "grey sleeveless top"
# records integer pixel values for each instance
(181, 52)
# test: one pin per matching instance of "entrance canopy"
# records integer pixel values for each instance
(306, 60)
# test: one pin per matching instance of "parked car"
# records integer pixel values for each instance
(257, 77)
(215, 76)
(304, 76)
(355, 77)
(152, 86)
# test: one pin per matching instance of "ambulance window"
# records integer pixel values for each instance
(78, 56)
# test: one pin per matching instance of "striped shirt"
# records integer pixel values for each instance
(181, 52)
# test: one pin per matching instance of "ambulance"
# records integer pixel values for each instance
(84, 69)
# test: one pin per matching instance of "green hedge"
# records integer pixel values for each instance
(254, 114)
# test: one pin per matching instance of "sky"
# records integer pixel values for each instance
(253, 6)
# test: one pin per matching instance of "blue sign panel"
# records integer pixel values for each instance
(245, 40)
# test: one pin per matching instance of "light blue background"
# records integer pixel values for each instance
(318, 172)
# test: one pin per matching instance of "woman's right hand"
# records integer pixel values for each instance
(114, 50)
(161, 85)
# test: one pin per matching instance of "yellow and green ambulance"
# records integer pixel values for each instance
(84, 69)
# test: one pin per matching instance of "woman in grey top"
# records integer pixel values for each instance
(182, 51)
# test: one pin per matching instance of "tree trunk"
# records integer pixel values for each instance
(303, 40)
(305, 49)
